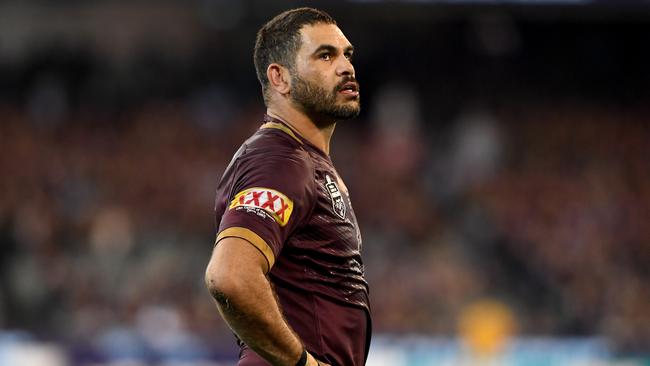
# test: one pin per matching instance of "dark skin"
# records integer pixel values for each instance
(237, 280)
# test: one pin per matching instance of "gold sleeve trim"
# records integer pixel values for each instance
(251, 237)
(282, 127)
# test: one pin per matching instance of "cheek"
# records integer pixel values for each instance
(321, 73)
(328, 81)
(323, 81)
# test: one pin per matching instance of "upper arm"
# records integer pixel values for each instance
(234, 259)
(271, 195)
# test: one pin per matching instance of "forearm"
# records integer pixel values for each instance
(252, 312)
(235, 277)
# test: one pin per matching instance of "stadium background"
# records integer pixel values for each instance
(499, 170)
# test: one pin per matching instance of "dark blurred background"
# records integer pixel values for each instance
(500, 163)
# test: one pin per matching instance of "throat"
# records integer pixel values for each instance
(314, 130)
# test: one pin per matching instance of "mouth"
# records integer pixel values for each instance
(350, 89)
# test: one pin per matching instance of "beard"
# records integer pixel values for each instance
(314, 99)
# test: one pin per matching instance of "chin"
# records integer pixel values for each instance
(347, 113)
(350, 103)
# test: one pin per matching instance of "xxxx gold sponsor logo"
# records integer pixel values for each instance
(274, 203)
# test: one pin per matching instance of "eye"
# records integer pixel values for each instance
(325, 56)
(348, 55)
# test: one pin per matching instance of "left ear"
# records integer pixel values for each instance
(279, 78)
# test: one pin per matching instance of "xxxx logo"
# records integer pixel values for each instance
(271, 201)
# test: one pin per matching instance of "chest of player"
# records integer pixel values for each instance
(333, 197)
(332, 223)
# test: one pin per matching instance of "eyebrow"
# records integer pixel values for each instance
(330, 48)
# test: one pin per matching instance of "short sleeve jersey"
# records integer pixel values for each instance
(284, 196)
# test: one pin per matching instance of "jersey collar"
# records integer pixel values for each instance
(272, 122)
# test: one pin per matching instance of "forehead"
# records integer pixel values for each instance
(314, 36)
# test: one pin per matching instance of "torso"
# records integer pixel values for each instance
(318, 270)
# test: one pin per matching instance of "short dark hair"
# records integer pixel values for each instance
(279, 39)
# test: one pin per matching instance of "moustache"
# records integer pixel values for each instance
(347, 79)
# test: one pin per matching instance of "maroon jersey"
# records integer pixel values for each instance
(283, 195)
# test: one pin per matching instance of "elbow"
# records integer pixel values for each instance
(231, 274)
(215, 280)
(222, 284)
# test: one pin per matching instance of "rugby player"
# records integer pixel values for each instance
(286, 270)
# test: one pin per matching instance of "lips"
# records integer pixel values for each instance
(349, 88)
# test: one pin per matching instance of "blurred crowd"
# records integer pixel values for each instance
(106, 228)
(542, 205)
(536, 199)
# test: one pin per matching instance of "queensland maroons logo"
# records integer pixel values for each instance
(264, 202)
(335, 194)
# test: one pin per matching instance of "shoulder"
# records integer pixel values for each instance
(273, 176)
(275, 153)
(273, 162)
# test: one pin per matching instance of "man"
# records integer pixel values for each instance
(286, 270)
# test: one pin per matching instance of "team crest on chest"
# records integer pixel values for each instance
(338, 204)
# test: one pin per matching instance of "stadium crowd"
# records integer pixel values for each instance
(106, 227)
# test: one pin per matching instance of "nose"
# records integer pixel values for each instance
(344, 67)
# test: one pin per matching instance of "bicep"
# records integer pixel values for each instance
(234, 257)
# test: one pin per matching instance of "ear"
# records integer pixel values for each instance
(279, 79)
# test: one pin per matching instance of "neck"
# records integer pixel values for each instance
(319, 134)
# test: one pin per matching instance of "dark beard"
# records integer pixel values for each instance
(313, 99)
